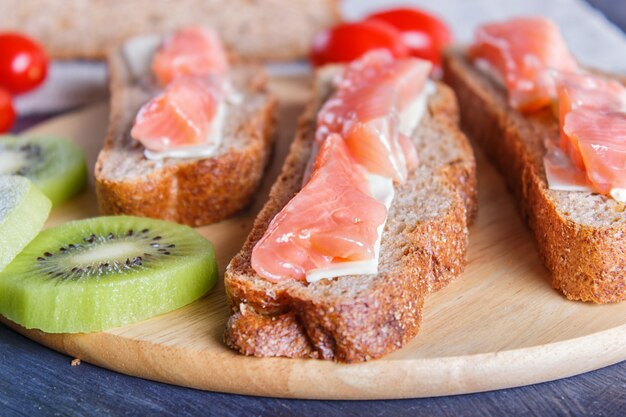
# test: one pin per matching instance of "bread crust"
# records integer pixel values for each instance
(352, 319)
(587, 262)
(195, 192)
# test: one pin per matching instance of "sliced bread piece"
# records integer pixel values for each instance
(263, 29)
(581, 236)
(189, 191)
(424, 244)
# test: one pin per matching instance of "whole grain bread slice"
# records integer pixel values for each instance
(261, 29)
(424, 244)
(189, 191)
(581, 236)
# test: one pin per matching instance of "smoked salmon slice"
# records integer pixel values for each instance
(371, 94)
(582, 90)
(190, 51)
(181, 116)
(332, 219)
(600, 137)
(522, 51)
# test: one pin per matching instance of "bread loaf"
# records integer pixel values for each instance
(424, 246)
(189, 191)
(264, 29)
(580, 235)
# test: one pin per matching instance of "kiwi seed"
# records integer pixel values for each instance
(54, 264)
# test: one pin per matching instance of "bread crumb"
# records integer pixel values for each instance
(75, 362)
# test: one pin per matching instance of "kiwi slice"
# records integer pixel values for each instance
(23, 211)
(96, 274)
(55, 165)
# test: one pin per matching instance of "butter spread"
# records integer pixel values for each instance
(138, 53)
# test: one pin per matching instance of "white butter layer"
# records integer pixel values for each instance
(411, 117)
(619, 194)
(561, 174)
(138, 52)
(381, 188)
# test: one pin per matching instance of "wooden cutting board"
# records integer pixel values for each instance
(500, 325)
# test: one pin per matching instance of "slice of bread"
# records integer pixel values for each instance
(189, 191)
(263, 29)
(424, 245)
(581, 236)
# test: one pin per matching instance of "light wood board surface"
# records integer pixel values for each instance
(500, 325)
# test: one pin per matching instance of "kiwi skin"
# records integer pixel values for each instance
(83, 303)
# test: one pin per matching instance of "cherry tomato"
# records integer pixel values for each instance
(349, 41)
(23, 63)
(7, 112)
(423, 33)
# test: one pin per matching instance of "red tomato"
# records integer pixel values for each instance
(7, 112)
(348, 41)
(423, 33)
(23, 63)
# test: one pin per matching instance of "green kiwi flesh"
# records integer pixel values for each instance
(55, 165)
(23, 212)
(96, 274)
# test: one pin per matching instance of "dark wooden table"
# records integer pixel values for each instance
(35, 381)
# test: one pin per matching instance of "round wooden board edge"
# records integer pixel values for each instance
(376, 380)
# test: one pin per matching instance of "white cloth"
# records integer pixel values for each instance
(593, 39)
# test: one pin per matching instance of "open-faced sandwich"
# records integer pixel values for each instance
(190, 129)
(369, 214)
(557, 132)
